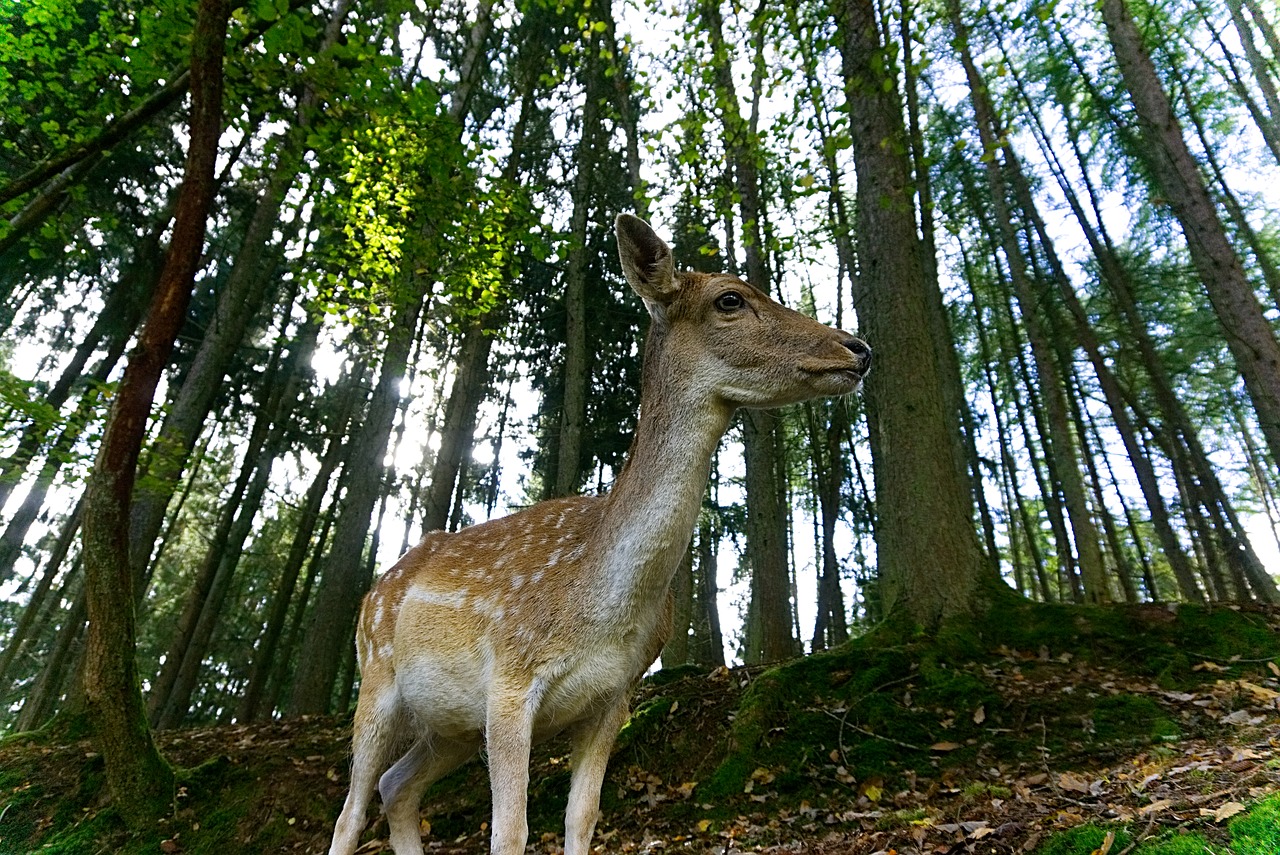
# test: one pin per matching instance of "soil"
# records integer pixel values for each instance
(915, 749)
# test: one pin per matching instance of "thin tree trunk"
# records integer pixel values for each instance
(1262, 72)
(138, 778)
(17, 643)
(1059, 443)
(766, 550)
(573, 408)
(282, 596)
(676, 651)
(338, 599)
(15, 533)
(242, 296)
(273, 696)
(114, 324)
(707, 643)
(1249, 334)
(60, 665)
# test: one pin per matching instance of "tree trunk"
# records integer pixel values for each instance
(247, 285)
(573, 408)
(114, 325)
(282, 596)
(1262, 72)
(63, 661)
(676, 651)
(929, 558)
(17, 643)
(707, 644)
(140, 781)
(766, 535)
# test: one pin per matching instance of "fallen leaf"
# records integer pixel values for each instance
(1156, 806)
(1262, 693)
(944, 746)
(1075, 784)
(1225, 811)
(1106, 844)
(980, 714)
(1242, 717)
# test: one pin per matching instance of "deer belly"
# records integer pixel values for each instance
(446, 693)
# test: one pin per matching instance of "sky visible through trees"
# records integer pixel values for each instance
(409, 247)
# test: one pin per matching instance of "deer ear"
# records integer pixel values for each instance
(646, 260)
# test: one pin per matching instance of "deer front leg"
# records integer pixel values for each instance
(508, 738)
(592, 742)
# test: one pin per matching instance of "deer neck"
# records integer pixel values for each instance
(650, 513)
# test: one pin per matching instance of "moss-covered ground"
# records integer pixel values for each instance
(1055, 730)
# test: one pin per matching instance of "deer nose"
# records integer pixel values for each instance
(858, 348)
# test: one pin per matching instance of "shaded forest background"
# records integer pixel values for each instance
(1054, 221)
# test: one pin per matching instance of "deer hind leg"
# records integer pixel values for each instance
(402, 786)
(592, 742)
(379, 725)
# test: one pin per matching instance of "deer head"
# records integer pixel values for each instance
(747, 349)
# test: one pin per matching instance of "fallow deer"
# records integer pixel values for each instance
(505, 633)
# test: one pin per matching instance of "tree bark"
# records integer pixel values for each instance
(138, 778)
(928, 554)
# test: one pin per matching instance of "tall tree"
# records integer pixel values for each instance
(767, 547)
(1060, 442)
(928, 555)
(1248, 333)
(332, 625)
(140, 780)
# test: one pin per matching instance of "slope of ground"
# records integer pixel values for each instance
(1149, 731)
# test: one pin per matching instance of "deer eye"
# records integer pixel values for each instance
(730, 301)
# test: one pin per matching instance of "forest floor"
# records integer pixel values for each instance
(1104, 732)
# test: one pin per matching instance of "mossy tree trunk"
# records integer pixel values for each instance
(140, 781)
(927, 547)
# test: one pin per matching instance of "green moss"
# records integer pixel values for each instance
(1157, 641)
(1083, 840)
(644, 719)
(980, 790)
(1257, 832)
(1133, 718)
(901, 818)
(667, 676)
(1178, 844)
